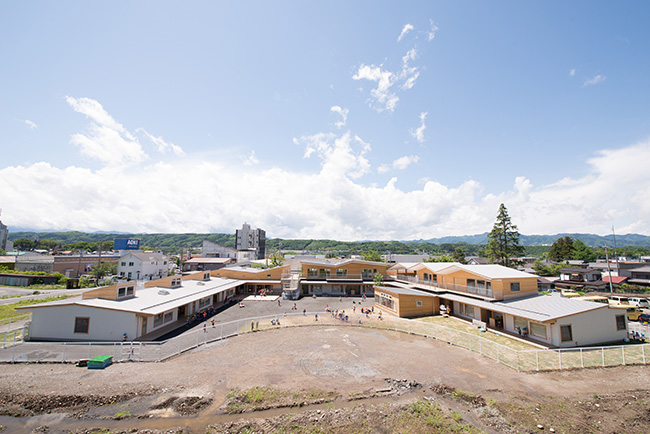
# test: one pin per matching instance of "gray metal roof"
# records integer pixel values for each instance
(539, 308)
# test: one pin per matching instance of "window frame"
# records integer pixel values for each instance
(565, 327)
(78, 321)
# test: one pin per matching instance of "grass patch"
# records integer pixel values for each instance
(260, 398)
(459, 325)
(9, 310)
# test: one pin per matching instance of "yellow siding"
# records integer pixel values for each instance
(353, 268)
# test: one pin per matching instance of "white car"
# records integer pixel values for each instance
(639, 302)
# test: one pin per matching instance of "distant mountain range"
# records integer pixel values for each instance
(591, 240)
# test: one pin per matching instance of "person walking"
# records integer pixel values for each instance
(212, 322)
(252, 325)
(205, 327)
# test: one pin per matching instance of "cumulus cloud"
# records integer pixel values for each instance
(572, 73)
(105, 139)
(332, 201)
(344, 115)
(431, 34)
(340, 155)
(161, 144)
(384, 97)
(407, 28)
(418, 133)
(594, 81)
(30, 124)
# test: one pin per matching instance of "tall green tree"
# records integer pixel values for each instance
(582, 251)
(371, 255)
(562, 249)
(503, 241)
(459, 255)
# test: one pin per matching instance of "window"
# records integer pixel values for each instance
(158, 320)
(341, 272)
(520, 323)
(538, 330)
(123, 264)
(466, 309)
(471, 283)
(81, 324)
(312, 272)
(130, 264)
(620, 322)
(566, 334)
(168, 317)
(129, 290)
(514, 286)
(418, 303)
(121, 292)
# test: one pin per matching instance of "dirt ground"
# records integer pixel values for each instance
(191, 391)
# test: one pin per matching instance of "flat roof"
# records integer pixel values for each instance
(154, 300)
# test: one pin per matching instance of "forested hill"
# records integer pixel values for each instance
(471, 245)
(591, 240)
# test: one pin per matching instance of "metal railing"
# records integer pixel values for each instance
(483, 292)
(520, 360)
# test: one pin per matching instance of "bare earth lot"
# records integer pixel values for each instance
(190, 391)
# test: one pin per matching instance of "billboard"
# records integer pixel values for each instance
(126, 244)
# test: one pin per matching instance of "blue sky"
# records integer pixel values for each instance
(345, 120)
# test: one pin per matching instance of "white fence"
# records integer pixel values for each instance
(547, 359)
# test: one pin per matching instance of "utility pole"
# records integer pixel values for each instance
(611, 288)
(618, 270)
(99, 260)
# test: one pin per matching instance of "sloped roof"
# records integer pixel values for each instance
(540, 308)
(489, 271)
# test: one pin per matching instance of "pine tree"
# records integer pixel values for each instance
(503, 241)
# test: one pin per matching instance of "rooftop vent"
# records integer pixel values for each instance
(163, 292)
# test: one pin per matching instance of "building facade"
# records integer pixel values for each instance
(143, 266)
(248, 238)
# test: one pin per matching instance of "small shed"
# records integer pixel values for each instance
(404, 302)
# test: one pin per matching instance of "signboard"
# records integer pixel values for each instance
(126, 244)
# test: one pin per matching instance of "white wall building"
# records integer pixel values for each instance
(107, 313)
(143, 266)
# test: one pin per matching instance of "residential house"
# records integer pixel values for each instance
(143, 266)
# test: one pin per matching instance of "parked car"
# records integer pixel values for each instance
(639, 302)
(617, 300)
(644, 318)
(633, 313)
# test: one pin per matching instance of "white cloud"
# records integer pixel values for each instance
(105, 140)
(344, 115)
(384, 168)
(337, 153)
(330, 202)
(407, 28)
(31, 124)
(404, 162)
(251, 160)
(383, 96)
(431, 34)
(419, 131)
(572, 73)
(161, 144)
(594, 81)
